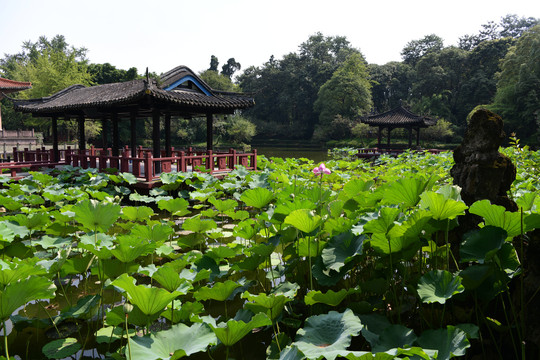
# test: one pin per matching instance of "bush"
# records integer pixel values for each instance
(239, 130)
(441, 131)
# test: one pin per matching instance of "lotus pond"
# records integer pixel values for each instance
(357, 262)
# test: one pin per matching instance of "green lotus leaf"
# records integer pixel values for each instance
(155, 233)
(272, 304)
(129, 248)
(496, 215)
(384, 222)
(232, 331)
(481, 245)
(341, 249)
(223, 206)
(95, 216)
(167, 277)
(137, 213)
(416, 226)
(11, 203)
(291, 353)
(9, 231)
(179, 341)
(85, 308)
(142, 198)
(47, 242)
(246, 229)
(330, 297)
(198, 225)
(323, 334)
(303, 220)
(17, 294)
(394, 336)
(449, 342)
(508, 259)
(285, 208)
(220, 291)
(439, 286)
(35, 221)
(385, 244)
(258, 197)
(61, 348)
(356, 186)
(110, 334)
(441, 207)
(149, 300)
(19, 269)
(405, 191)
(177, 206)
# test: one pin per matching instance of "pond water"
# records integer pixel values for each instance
(317, 154)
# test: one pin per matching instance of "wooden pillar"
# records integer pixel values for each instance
(82, 138)
(104, 132)
(156, 151)
(115, 136)
(379, 135)
(418, 137)
(133, 138)
(410, 137)
(56, 153)
(168, 152)
(209, 132)
(388, 140)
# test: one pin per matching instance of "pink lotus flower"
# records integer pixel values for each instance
(321, 169)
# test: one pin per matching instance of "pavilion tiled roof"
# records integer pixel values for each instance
(8, 86)
(399, 117)
(108, 96)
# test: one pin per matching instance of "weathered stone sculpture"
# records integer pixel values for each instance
(480, 169)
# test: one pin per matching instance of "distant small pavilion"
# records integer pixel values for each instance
(178, 93)
(398, 117)
(11, 86)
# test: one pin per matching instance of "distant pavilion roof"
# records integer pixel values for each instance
(9, 86)
(181, 92)
(399, 117)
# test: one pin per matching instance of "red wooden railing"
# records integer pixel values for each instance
(143, 166)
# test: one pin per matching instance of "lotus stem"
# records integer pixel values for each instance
(5, 339)
(127, 334)
(522, 289)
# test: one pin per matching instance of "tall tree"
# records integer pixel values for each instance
(230, 67)
(518, 90)
(107, 73)
(415, 49)
(218, 81)
(51, 66)
(392, 84)
(347, 93)
(214, 63)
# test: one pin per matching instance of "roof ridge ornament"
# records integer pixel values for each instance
(147, 83)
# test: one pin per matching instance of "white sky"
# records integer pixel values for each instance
(162, 34)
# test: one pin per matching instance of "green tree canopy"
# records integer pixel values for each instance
(518, 90)
(107, 73)
(347, 93)
(218, 81)
(415, 49)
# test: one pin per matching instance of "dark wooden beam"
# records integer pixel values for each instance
(156, 151)
(133, 128)
(82, 137)
(379, 135)
(168, 151)
(56, 153)
(209, 132)
(104, 132)
(115, 135)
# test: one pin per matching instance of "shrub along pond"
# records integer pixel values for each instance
(298, 260)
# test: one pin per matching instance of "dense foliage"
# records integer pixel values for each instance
(294, 261)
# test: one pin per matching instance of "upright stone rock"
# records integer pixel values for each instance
(480, 169)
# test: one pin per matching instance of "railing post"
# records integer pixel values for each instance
(182, 161)
(124, 161)
(210, 161)
(68, 155)
(15, 155)
(232, 159)
(254, 159)
(148, 166)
